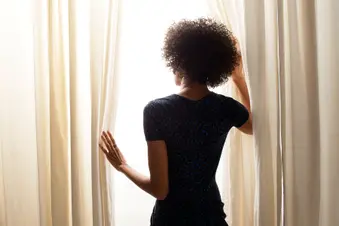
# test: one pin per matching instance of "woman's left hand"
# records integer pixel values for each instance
(111, 150)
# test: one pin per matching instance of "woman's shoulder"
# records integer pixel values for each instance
(228, 103)
(160, 104)
(226, 99)
(222, 99)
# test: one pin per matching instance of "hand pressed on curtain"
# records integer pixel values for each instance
(157, 184)
(112, 151)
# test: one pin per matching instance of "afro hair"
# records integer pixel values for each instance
(202, 50)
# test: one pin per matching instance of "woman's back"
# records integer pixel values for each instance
(186, 133)
(194, 133)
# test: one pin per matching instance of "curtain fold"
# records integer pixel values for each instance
(263, 65)
(290, 52)
(310, 104)
(80, 37)
(67, 72)
(19, 198)
(239, 162)
(328, 88)
(59, 89)
(255, 163)
(300, 111)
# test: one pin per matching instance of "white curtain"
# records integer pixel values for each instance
(261, 41)
(291, 56)
(239, 162)
(58, 75)
(59, 88)
(309, 54)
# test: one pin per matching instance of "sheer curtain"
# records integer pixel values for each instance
(59, 87)
(239, 162)
(291, 53)
(58, 75)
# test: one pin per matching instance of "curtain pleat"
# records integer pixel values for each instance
(67, 67)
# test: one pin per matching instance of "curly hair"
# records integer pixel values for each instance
(202, 50)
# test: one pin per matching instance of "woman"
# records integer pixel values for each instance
(186, 132)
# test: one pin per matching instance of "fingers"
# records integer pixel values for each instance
(107, 140)
(105, 144)
(111, 139)
(116, 148)
(111, 150)
(103, 149)
(110, 155)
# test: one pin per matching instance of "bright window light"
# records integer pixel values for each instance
(143, 77)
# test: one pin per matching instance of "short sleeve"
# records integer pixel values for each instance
(152, 122)
(238, 113)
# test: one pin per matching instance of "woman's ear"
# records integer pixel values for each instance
(177, 78)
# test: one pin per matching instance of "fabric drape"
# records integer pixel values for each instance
(290, 55)
(310, 103)
(54, 174)
(263, 66)
(239, 162)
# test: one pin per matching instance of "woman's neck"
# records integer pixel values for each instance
(194, 91)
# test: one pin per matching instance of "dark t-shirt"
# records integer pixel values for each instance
(194, 133)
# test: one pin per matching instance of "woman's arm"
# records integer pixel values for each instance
(240, 83)
(157, 184)
(239, 80)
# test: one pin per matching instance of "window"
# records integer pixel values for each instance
(143, 77)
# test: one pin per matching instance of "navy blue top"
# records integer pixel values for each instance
(194, 133)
